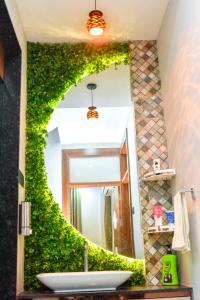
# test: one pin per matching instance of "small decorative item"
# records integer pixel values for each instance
(170, 217)
(156, 166)
(157, 212)
(96, 23)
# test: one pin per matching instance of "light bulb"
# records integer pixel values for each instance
(96, 31)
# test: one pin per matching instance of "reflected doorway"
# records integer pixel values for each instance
(97, 196)
(98, 214)
(93, 212)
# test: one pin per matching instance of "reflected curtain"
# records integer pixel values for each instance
(108, 222)
(75, 209)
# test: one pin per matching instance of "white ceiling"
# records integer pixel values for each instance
(64, 20)
(76, 131)
(113, 100)
(113, 89)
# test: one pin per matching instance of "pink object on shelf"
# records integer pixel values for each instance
(157, 212)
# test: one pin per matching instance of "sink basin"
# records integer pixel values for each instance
(84, 281)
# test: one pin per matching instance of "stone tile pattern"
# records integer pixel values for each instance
(151, 144)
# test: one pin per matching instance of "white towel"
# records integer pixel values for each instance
(181, 241)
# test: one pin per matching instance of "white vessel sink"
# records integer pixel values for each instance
(84, 281)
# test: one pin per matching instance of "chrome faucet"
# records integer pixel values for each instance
(85, 256)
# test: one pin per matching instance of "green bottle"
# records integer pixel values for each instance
(169, 268)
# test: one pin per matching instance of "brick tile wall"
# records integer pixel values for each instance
(151, 144)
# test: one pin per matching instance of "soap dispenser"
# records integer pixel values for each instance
(169, 268)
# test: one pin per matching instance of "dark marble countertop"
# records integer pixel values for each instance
(143, 292)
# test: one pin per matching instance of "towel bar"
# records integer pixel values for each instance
(186, 190)
(190, 190)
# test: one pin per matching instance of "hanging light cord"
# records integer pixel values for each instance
(92, 96)
(95, 4)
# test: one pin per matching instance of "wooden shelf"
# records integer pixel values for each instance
(163, 175)
(130, 292)
(125, 178)
(160, 229)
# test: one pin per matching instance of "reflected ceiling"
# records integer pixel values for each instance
(113, 89)
(75, 130)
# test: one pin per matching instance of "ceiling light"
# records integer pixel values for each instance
(92, 113)
(96, 23)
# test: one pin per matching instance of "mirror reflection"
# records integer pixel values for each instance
(101, 226)
(91, 162)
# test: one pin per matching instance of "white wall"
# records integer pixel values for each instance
(94, 169)
(53, 165)
(179, 55)
(14, 15)
(91, 214)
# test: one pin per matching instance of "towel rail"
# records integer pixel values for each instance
(189, 190)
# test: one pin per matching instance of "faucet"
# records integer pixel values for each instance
(85, 256)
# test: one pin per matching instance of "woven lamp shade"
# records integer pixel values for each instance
(96, 24)
(92, 113)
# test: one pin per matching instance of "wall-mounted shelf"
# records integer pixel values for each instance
(166, 174)
(160, 229)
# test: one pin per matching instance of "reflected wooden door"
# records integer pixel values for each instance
(126, 246)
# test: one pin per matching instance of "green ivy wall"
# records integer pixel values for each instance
(55, 246)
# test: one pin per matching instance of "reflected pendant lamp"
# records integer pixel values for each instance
(92, 113)
(96, 23)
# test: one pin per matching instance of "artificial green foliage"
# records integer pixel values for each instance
(55, 246)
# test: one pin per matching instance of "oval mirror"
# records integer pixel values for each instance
(90, 160)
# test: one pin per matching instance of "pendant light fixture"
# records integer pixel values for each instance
(96, 23)
(92, 113)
